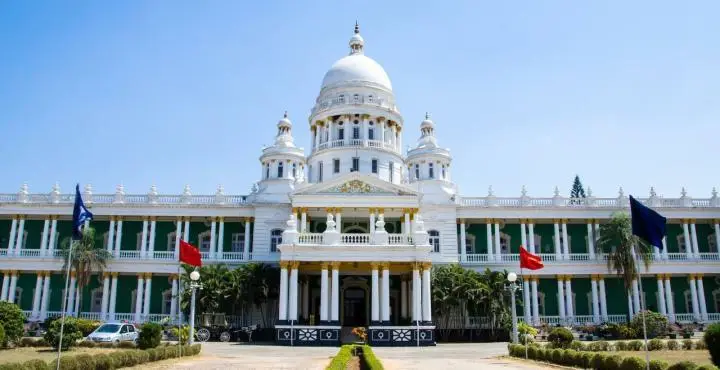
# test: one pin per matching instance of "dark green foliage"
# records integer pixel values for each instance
(85, 362)
(655, 323)
(71, 333)
(570, 357)
(13, 320)
(635, 345)
(87, 326)
(632, 363)
(557, 355)
(66, 363)
(560, 338)
(126, 345)
(687, 344)
(672, 345)
(598, 361)
(369, 359)
(707, 367)
(656, 345)
(598, 346)
(36, 364)
(683, 365)
(104, 362)
(150, 335)
(3, 340)
(577, 345)
(586, 360)
(578, 191)
(613, 362)
(712, 341)
(13, 366)
(658, 365)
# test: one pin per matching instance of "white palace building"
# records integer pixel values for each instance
(355, 225)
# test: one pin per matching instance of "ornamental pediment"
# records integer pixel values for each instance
(355, 187)
(356, 184)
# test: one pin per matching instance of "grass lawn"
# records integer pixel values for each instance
(700, 357)
(44, 353)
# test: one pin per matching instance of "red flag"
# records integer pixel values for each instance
(530, 261)
(189, 254)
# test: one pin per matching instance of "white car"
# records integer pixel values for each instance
(114, 332)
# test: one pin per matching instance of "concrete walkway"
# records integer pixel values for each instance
(456, 356)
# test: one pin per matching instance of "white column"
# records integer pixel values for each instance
(139, 297)
(426, 294)
(174, 301)
(688, 243)
(527, 303)
(213, 239)
(13, 236)
(303, 221)
(701, 296)
(113, 295)
(111, 235)
(372, 220)
(523, 235)
(403, 298)
(44, 240)
(693, 293)
(566, 242)
(186, 231)
(416, 294)
(105, 296)
(118, 237)
(595, 299)
(561, 296)
(37, 294)
(488, 229)
(463, 242)
(630, 305)
(284, 291)
(669, 299)
(558, 248)
(386, 293)
(51, 241)
(148, 291)
(591, 240)
(569, 308)
(665, 249)
(498, 251)
(293, 313)
(375, 302)
(221, 238)
(246, 247)
(338, 219)
(5, 286)
(143, 241)
(661, 296)
(324, 293)
(20, 242)
(407, 221)
(178, 234)
(306, 300)
(693, 232)
(335, 296)
(535, 303)
(328, 308)
(531, 236)
(636, 296)
(603, 299)
(717, 236)
(45, 296)
(71, 295)
(151, 242)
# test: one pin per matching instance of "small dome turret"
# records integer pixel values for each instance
(356, 41)
(283, 160)
(428, 161)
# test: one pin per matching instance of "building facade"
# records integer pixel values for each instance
(355, 225)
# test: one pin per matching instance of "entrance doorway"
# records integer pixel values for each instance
(354, 307)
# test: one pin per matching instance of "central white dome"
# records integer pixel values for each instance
(356, 68)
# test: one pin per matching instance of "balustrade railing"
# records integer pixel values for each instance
(684, 317)
(399, 239)
(310, 238)
(355, 143)
(120, 199)
(355, 238)
(559, 201)
(585, 258)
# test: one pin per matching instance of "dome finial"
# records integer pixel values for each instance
(427, 115)
(356, 41)
(357, 27)
(285, 115)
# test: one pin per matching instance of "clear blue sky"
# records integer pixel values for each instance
(522, 92)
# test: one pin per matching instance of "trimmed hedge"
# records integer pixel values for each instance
(560, 338)
(13, 321)
(150, 335)
(346, 353)
(597, 361)
(712, 341)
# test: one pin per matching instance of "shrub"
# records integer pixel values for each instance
(701, 344)
(126, 345)
(117, 358)
(569, 357)
(3, 342)
(87, 344)
(656, 345)
(613, 362)
(339, 362)
(84, 362)
(632, 363)
(577, 345)
(87, 326)
(683, 365)
(560, 338)
(598, 361)
(532, 352)
(655, 323)
(12, 366)
(66, 363)
(104, 362)
(182, 334)
(658, 365)
(621, 346)
(635, 345)
(71, 334)
(712, 341)
(687, 344)
(556, 356)
(13, 322)
(371, 362)
(672, 345)
(586, 360)
(150, 335)
(36, 364)
(707, 367)
(32, 342)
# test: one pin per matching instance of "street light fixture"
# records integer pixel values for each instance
(513, 287)
(194, 277)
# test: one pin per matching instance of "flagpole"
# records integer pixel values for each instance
(639, 277)
(179, 312)
(522, 278)
(65, 298)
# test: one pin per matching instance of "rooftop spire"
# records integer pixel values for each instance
(357, 27)
(356, 41)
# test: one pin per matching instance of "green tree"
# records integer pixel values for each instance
(86, 259)
(617, 240)
(577, 191)
(261, 284)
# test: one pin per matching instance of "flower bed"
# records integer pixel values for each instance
(350, 351)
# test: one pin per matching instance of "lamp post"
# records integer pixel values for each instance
(513, 287)
(194, 277)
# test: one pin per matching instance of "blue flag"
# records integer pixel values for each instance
(80, 215)
(647, 224)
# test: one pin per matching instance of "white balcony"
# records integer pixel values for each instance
(354, 240)
(356, 143)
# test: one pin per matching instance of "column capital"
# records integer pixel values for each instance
(115, 274)
(691, 276)
(105, 275)
(590, 221)
(153, 218)
(385, 265)
(47, 273)
(660, 276)
(698, 276)
(284, 264)
(381, 211)
(667, 276)
(221, 219)
(148, 275)
(375, 265)
(561, 277)
(141, 275)
(294, 265)
(426, 265)
(72, 274)
(488, 220)
(324, 265)
(335, 265)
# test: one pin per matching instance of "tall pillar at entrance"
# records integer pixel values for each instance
(527, 303)
(375, 302)
(335, 305)
(488, 229)
(323, 293)
(426, 298)
(403, 298)
(303, 220)
(636, 296)
(701, 296)
(306, 300)
(561, 297)
(293, 304)
(282, 316)
(407, 221)
(386, 293)
(372, 221)
(603, 297)
(113, 295)
(534, 297)
(669, 299)
(416, 285)
(595, 298)
(694, 296)
(661, 295)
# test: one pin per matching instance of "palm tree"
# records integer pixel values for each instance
(261, 286)
(617, 240)
(86, 260)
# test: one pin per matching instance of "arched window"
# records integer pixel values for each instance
(434, 240)
(341, 99)
(371, 133)
(320, 172)
(294, 170)
(443, 174)
(204, 238)
(431, 171)
(167, 301)
(267, 171)
(275, 239)
(238, 242)
(280, 170)
(417, 172)
(370, 98)
(681, 243)
(96, 300)
(356, 98)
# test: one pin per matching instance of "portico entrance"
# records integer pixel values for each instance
(355, 307)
